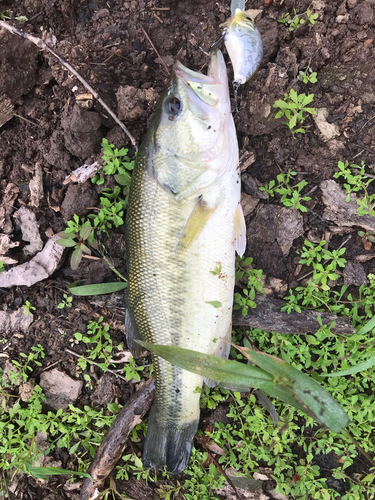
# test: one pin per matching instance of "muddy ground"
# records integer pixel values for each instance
(60, 130)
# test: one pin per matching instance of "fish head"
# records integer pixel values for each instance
(194, 110)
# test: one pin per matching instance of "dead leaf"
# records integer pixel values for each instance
(295, 478)
(55, 208)
(368, 42)
(37, 269)
(6, 109)
(368, 245)
(83, 173)
(126, 355)
(30, 231)
(215, 448)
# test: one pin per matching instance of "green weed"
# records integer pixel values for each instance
(6, 15)
(116, 163)
(210, 398)
(290, 195)
(2, 268)
(316, 294)
(307, 76)
(92, 229)
(245, 299)
(69, 429)
(292, 23)
(77, 235)
(24, 367)
(28, 307)
(67, 301)
(100, 348)
(356, 180)
(294, 108)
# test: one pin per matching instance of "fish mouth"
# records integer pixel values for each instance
(201, 90)
(189, 76)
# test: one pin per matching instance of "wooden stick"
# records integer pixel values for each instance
(113, 444)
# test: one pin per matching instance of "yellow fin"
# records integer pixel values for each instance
(239, 231)
(195, 223)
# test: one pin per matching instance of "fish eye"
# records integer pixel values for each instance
(173, 106)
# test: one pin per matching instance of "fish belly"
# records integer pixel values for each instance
(168, 299)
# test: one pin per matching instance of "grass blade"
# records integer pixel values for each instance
(97, 289)
(44, 472)
(212, 367)
(368, 326)
(361, 367)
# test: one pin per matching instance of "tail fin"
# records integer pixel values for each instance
(168, 443)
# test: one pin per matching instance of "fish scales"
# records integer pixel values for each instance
(170, 278)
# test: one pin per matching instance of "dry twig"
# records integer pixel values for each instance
(153, 46)
(42, 45)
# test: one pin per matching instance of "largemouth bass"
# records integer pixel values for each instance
(183, 224)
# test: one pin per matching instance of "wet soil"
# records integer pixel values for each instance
(61, 130)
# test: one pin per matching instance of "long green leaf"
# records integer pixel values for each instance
(43, 472)
(230, 372)
(97, 289)
(274, 377)
(361, 367)
(305, 389)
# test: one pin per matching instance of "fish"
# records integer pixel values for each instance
(183, 225)
(244, 45)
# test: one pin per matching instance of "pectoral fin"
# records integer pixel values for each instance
(195, 223)
(239, 231)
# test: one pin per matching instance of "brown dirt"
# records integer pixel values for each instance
(104, 42)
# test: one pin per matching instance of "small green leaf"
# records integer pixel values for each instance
(76, 258)
(293, 95)
(123, 179)
(66, 243)
(85, 232)
(85, 249)
(214, 303)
